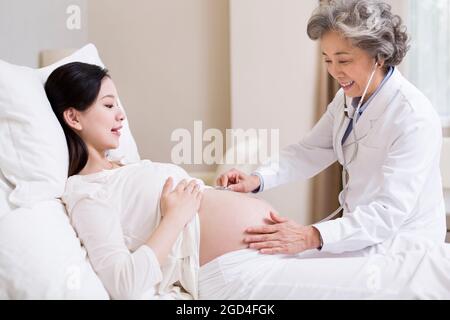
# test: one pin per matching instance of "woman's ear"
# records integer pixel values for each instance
(71, 117)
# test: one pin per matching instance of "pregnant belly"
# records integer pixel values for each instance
(224, 216)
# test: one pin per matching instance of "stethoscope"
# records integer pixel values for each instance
(353, 116)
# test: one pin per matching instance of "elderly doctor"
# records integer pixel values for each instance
(381, 129)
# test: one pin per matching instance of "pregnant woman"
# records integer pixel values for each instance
(116, 209)
(151, 231)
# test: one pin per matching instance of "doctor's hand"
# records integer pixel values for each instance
(238, 181)
(283, 237)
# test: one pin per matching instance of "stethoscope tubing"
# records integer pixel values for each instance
(345, 164)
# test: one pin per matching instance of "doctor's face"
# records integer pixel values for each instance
(99, 126)
(349, 65)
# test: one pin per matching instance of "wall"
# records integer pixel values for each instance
(273, 68)
(400, 7)
(170, 62)
(27, 27)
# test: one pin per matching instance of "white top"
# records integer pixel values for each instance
(114, 213)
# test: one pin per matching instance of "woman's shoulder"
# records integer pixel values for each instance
(93, 185)
(78, 189)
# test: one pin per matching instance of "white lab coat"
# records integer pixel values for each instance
(395, 185)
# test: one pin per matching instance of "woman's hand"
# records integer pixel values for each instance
(238, 181)
(283, 237)
(183, 202)
(178, 207)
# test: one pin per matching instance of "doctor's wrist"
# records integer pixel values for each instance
(255, 183)
(315, 239)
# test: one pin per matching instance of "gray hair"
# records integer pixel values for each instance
(368, 24)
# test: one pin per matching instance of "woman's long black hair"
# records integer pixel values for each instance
(75, 85)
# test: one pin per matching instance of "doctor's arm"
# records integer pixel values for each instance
(410, 159)
(298, 161)
(303, 160)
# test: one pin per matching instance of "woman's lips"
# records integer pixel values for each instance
(117, 133)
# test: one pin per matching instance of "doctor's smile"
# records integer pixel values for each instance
(347, 86)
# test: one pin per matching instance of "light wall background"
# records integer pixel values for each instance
(27, 27)
(170, 61)
(274, 74)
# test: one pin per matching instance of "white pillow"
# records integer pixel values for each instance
(33, 149)
(41, 257)
(127, 151)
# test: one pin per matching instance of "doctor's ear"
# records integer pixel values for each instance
(71, 117)
(380, 63)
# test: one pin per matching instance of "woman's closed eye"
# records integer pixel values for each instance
(340, 62)
(109, 106)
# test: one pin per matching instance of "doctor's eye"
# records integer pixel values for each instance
(327, 61)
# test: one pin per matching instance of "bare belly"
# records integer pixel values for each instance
(224, 216)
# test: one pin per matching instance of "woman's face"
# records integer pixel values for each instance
(350, 65)
(101, 122)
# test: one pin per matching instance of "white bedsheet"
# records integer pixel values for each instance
(420, 272)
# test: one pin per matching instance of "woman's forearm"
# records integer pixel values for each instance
(165, 235)
(178, 207)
